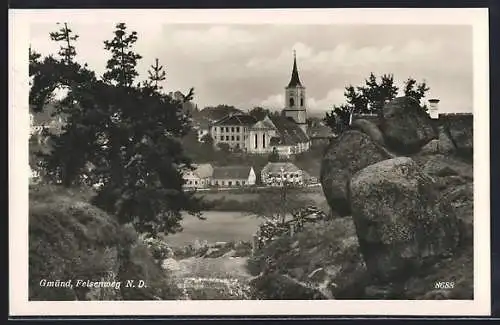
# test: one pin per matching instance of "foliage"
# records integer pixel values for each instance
(416, 90)
(156, 75)
(370, 99)
(126, 137)
(274, 156)
(260, 113)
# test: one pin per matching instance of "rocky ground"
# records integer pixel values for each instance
(211, 272)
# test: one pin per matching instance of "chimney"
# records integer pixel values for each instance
(433, 108)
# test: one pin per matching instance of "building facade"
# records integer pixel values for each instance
(279, 173)
(198, 178)
(233, 176)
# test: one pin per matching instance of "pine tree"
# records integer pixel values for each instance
(121, 68)
(156, 75)
(370, 99)
(416, 90)
(65, 35)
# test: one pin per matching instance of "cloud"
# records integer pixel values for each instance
(249, 65)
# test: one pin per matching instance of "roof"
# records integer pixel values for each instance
(237, 119)
(203, 170)
(295, 80)
(265, 123)
(276, 167)
(289, 132)
(231, 172)
(215, 113)
(320, 131)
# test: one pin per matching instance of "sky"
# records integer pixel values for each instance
(250, 65)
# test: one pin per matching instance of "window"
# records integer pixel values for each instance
(238, 145)
(237, 138)
(227, 128)
(190, 182)
(237, 129)
(238, 183)
(256, 141)
(243, 182)
(216, 182)
(302, 101)
(227, 137)
(232, 138)
(222, 182)
(221, 138)
(292, 102)
(195, 182)
(232, 129)
(264, 140)
(229, 183)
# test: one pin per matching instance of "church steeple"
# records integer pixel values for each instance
(295, 80)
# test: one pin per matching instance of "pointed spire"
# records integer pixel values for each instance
(295, 80)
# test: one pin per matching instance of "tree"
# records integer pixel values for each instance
(121, 68)
(259, 113)
(416, 90)
(156, 75)
(126, 137)
(338, 118)
(224, 147)
(370, 99)
(65, 35)
(274, 156)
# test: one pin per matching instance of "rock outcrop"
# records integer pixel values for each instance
(349, 153)
(398, 222)
(406, 126)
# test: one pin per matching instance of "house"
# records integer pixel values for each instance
(233, 176)
(198, 178)
(232, 130)
(278, 173)
(319, 133)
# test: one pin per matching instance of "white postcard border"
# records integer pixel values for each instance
(19, 22)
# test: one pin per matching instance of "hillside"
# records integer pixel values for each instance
(70, 239)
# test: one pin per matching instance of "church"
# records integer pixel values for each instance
(286, 133)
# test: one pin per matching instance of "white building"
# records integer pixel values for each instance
(233, 176)
(278, 173)
(198, 178)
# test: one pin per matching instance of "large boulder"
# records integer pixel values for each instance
(350, 152)
(446, 145)
(406, 126)
(458, 201)
(460, 129)
(370, 129)
(398, 222)
(442, 166)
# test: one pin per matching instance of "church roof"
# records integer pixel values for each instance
(289, 132)
(295, 80)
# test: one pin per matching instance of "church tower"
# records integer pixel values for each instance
(295, 98)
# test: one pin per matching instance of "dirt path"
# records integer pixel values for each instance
(211, 278)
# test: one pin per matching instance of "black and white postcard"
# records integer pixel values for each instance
(249, 162)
